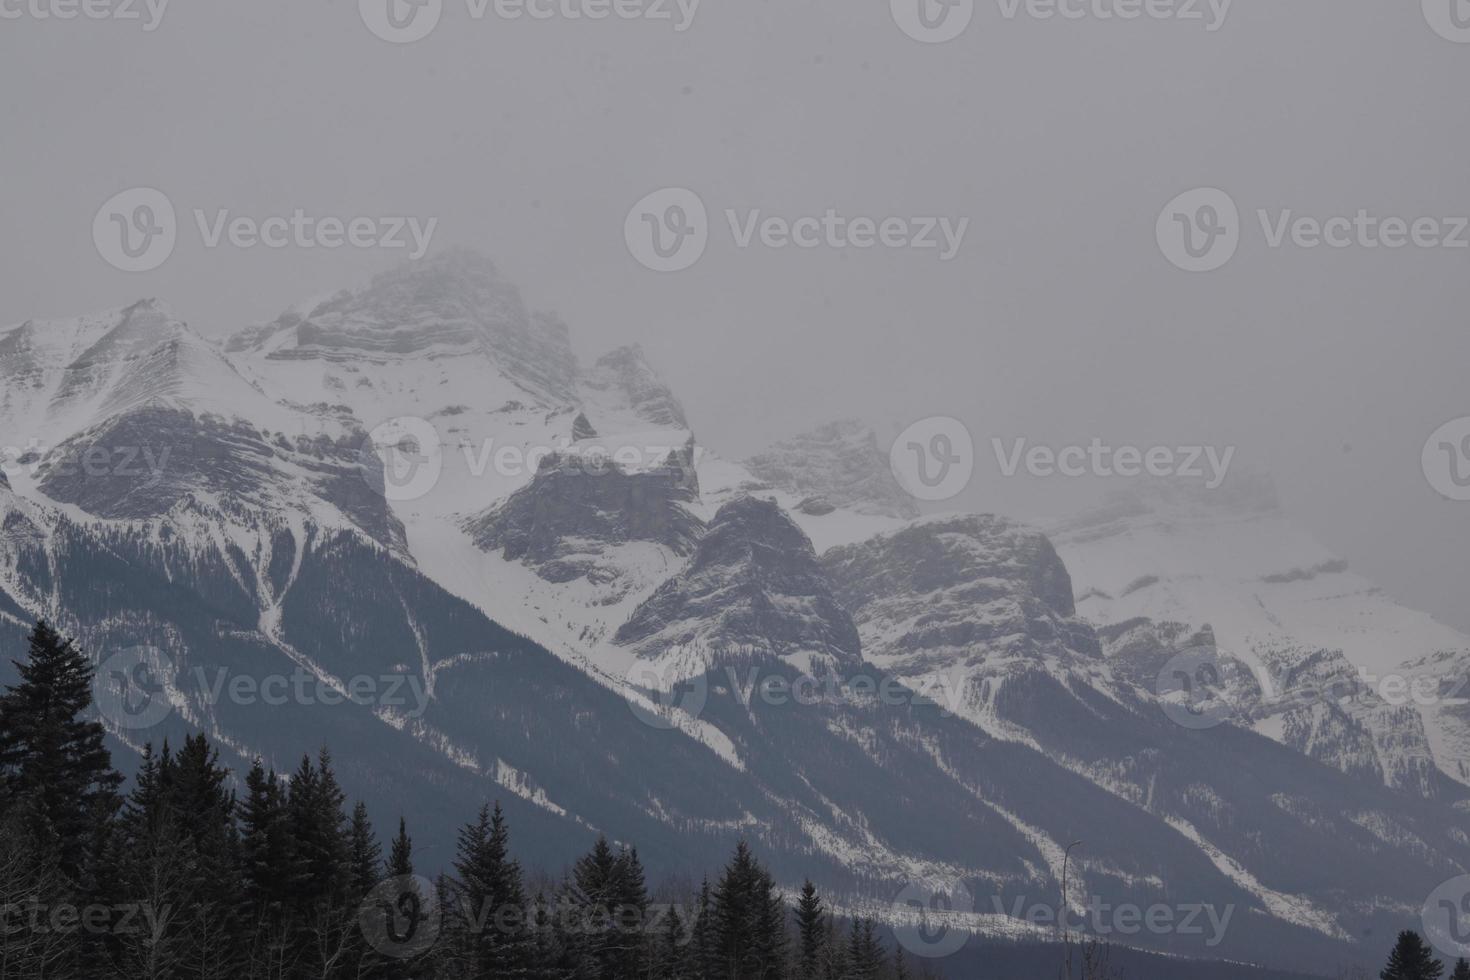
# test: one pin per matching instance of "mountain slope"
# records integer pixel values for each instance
(1311, 629)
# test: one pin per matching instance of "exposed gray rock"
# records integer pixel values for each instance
(816, 506)
(841, 462)
(950, 588)
(754, 587)
(625, 373)
(449, 304)
(148, 461)
(561, 523)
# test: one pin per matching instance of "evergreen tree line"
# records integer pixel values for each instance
(1413, 959)
(180, 878)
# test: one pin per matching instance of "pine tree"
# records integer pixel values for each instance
(834, 958)
(1412, 959)
(900, 968)
(1462, 970)
(50, 753)
(599, 887)
(748, 919)
(201, 809)
(629, 914)
(267, 854)
(671, 957)
(365, 853)
(864, 952)
(326, 933)
(490, 907)
(320, 831)
(400, 853)
(701, 957)
(810, 934)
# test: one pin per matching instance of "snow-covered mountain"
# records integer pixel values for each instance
(1329, 650)
(417, 483)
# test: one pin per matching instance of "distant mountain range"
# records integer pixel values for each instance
(498, 572)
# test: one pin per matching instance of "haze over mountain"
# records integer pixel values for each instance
(419, 483)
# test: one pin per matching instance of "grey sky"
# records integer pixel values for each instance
(1059, 320)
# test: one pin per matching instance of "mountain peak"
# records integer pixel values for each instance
(753, 586)
(841, 462)
(451, 304)
(625, 375)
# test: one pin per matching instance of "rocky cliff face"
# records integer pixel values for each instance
(624, 376)
(840, 464)
(752, 588)
(1345, 672)
(574, 512)
(451, 305)
(960, 588)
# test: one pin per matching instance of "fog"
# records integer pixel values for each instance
(1058, 320)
